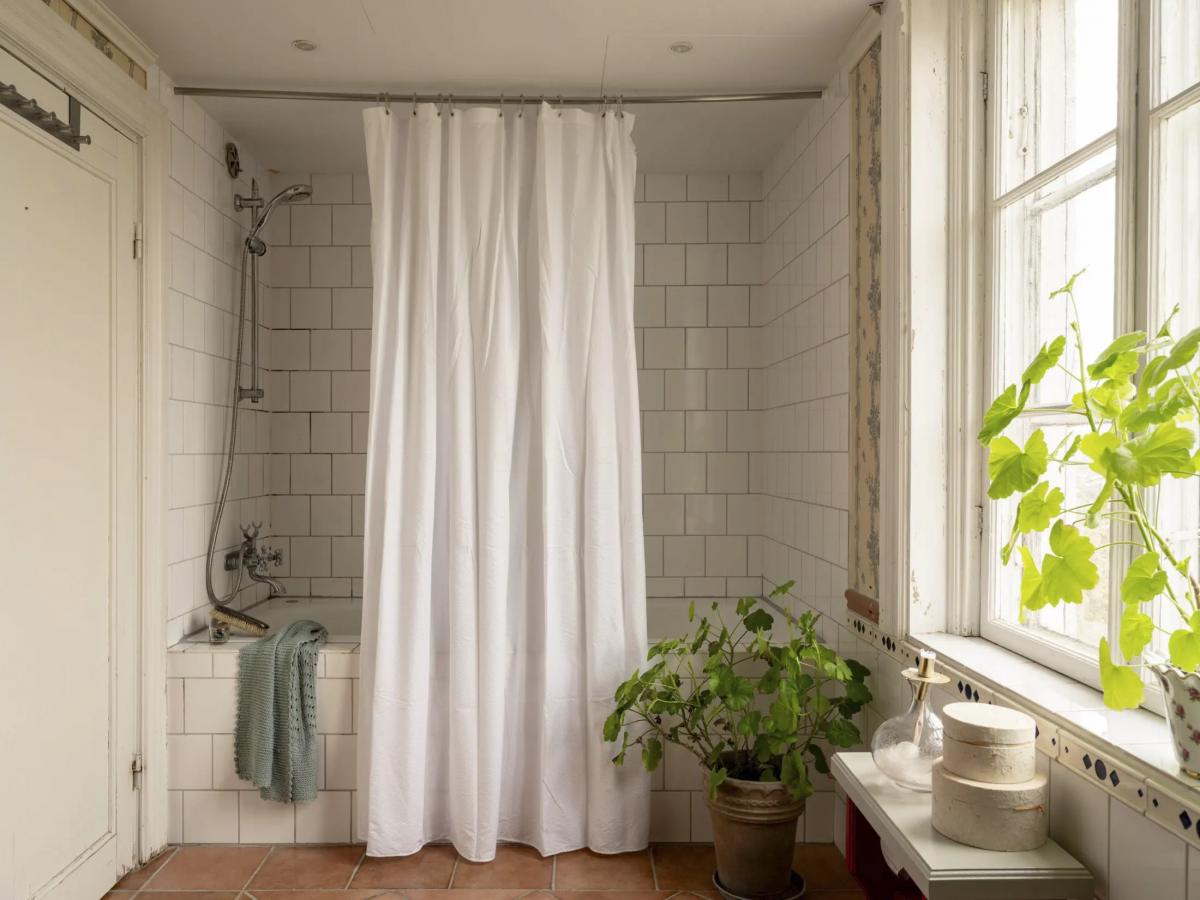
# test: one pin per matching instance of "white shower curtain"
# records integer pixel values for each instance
(504, 593)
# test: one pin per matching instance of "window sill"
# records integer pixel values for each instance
(1127, 753)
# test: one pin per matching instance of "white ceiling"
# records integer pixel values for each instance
(530, 46)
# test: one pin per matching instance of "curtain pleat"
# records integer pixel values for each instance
(504, 582)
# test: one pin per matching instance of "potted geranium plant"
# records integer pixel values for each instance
(1137, 404)
(755, 712)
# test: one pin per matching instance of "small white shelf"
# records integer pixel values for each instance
(944, 869)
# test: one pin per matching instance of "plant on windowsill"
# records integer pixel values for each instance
(753, 712)
(1138, 403)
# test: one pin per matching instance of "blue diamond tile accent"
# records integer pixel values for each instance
(1185, 820)
(1116, 779)
(1087, 761)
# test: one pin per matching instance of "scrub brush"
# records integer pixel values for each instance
(240, 621)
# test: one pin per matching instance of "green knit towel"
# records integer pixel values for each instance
(276, 741)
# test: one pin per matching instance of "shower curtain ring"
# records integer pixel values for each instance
(414, 108)
(521, 108)
(387, 104)
(560, 106)
(502, 106)
(451, 105)
(620, 106)
(603, 106)
(440, 100)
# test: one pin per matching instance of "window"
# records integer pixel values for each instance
(1086, 170)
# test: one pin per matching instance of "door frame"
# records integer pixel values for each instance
(43, 41)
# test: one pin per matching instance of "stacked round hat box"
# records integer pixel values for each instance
(986, 789)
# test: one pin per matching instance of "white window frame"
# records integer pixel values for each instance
(1136, 138)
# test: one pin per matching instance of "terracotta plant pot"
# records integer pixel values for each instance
(1181, 695)
(754, 833)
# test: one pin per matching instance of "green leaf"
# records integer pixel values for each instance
(1144, 460)
(612, 726)
(1032, 597)
(652, 754)
(1041, 504)
(745, 604)
(1122, 685)
(1003, 410)
(1184, 350)
(759, 620)
(1068, 571)
(1136, 630)
(1106, 400)
(782, 589)
(1184, 648)
(1045, 360)
(820, 763)
(1096, 446)
(794, 774)
(1119, 359)
(1013, 469)
(1144, 580)
(842, 733)
(692, 611)
(716, 777)
(1067, 288)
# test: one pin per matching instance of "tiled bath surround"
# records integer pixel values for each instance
(202, 263)
(320, 318)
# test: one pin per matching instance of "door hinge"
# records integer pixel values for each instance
(136, 770)
(137, 240)
(984, 79)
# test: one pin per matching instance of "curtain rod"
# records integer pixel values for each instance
(576, 100)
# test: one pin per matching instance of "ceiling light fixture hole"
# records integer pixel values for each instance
(682, 47)
(305, 45)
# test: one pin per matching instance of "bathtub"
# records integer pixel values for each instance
(341, 616)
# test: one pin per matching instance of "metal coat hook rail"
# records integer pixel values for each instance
(26, 108)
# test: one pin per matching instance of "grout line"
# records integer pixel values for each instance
(454, 870)
(554, 872)
(258, 868)
(653, 867)
(358, 865)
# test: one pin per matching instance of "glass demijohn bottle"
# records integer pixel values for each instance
(906, 747)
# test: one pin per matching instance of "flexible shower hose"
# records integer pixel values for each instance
(247, 262)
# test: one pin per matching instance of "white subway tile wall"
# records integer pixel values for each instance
(320, 319)
(700, 265)
(203, 259)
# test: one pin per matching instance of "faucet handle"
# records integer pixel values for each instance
(250, 532)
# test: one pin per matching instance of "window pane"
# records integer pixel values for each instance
(1177, 502)
(1058, 81)
(1179, 215)
(1045, 237)
(1082, 624)
(1178, 47)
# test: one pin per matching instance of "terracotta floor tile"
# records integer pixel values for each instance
(321, 895)
(823, 868)
(585, 870)
(190, 895)
(613, 895)
(684, 867)
(514, 867)
(138, 877)
(208, 869)
(308, 867)
(430, 867)
(468, 894)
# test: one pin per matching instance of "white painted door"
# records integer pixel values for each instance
(69, 499)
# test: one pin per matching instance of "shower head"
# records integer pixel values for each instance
(290, 194)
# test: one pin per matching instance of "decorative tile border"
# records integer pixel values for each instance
(1178, 813)
(1127, 786)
